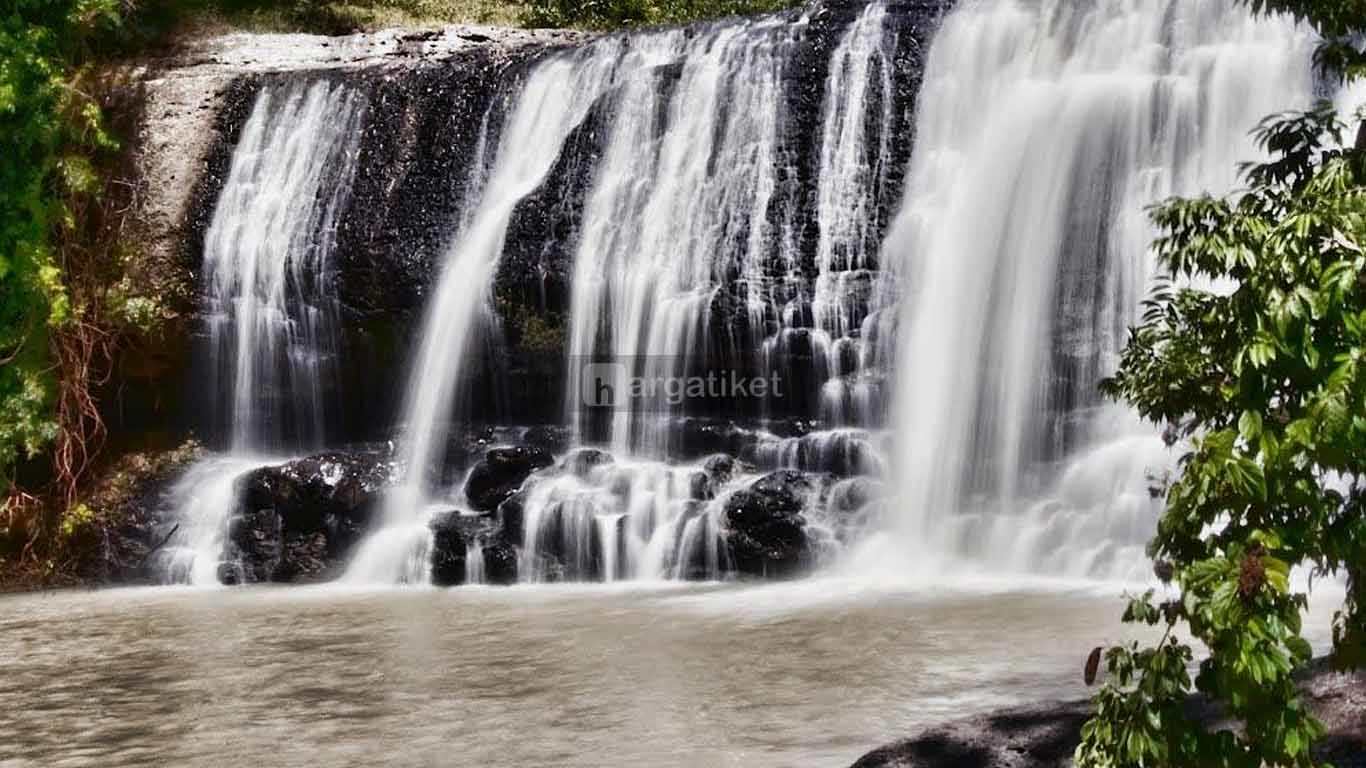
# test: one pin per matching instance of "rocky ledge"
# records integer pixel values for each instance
(300, 520)
(1046, 735)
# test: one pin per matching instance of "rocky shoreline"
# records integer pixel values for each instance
(1046, 735)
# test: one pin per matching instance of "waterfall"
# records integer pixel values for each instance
(267, 260)
(270, 309)
(727, 225)
(691, 194)
(693, 214)
(855, 159)
(690, 259)
(634, 519)
(679, 204)
(554, 99)
(743, 198)
(1044, 129)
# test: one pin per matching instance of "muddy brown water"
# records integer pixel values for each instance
(807, 674)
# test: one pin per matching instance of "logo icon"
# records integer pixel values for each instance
(601, 384)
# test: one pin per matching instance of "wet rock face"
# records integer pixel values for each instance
(299, 520)
(466, 447)
(537, 261)
(500, 563)
(717, 470)
(414, 174)
(510, 515)
(549, 438)
(453, 535)
(267, 551)
(766, 530)
(584, 460)
(313, 491)
(695, 438)
(1045, 735)
(721, 467)
(500, 473)
(449, 550)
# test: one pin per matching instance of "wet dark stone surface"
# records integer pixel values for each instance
(452, 535)
(500, 563)
(298, 521)
(766, 530)
(584, 460)
(500, 473)
(1046, 735)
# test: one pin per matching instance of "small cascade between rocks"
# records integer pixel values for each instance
(920, 225)
(604, 520)
(855, 161)
(205, 497)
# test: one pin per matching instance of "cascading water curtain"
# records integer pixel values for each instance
(1044, 129)
(733, 214)
(271, 311)
(267, 263)
(552, 100)
(680, 201)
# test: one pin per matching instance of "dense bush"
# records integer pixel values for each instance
(48, 129)
(153, 20)
(71, 291)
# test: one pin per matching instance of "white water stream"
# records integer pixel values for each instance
(271, 313)
(1044, 130)
(553, 100)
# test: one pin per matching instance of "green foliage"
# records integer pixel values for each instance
(613, 14)
(45, 124)
(1265, 373)
(76, 520)
(1337, 21)
(529, 330)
